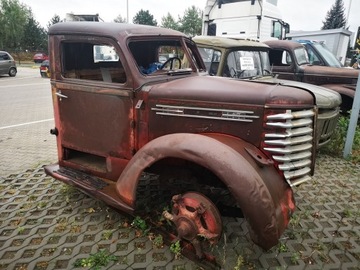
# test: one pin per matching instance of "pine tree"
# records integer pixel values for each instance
(335, 17)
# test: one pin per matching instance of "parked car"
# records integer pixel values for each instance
(7, 64)
(45, 69)
(40, 57)
(249, 60)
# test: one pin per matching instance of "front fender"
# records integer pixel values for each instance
(342, 89)
(260, 191)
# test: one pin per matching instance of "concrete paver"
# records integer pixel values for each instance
(46, 225)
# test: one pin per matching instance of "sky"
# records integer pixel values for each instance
(306, 15)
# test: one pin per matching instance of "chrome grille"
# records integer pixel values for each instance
(326, 124)
(289, 140)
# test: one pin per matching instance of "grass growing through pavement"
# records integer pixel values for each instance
(97, 260)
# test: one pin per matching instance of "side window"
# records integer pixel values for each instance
(276, 31)
(92, 61)
(4, 56)
(215, 62)
(279, 58)
(286, 59)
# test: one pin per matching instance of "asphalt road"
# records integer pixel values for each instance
(26, 116)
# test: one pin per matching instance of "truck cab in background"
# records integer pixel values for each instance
(319, 54)
(289, 60)
(254, 19)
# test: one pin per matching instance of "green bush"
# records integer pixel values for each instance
(337, 143)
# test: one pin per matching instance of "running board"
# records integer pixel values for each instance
(104, 190)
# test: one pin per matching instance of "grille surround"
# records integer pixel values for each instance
(289, 140)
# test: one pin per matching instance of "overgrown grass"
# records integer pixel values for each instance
(337, 143)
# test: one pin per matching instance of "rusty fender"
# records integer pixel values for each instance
(263, 195)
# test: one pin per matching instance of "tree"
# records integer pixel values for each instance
(120, 19)
(55, 19)
(168, 21)
(13, 18)
(335, 17)
(144, 17)
(35, 38)
(191, 23)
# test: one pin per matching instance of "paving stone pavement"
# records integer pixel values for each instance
(47, 225)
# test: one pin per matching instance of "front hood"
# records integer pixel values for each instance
(226, 90)
(325, 98)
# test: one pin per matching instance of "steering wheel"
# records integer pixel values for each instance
(171, 60)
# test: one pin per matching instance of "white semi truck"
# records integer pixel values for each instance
(254, 19)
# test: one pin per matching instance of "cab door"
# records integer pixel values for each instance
(93, 106)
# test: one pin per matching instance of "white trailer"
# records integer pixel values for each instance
(254, 19)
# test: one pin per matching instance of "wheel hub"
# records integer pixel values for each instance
(195, 215)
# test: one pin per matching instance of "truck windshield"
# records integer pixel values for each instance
(301, 56)
(328, 56)
(155, 57)
(245, 64)
(238, 63)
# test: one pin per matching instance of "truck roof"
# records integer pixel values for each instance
(111, 29)
(229, 42)
(283, 44)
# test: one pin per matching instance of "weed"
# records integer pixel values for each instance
(20, 230)
(295, 220)
(347, 213)
(239, 262)
(295, 257)
(282, 247)
(176, 249)
(95, 261)
(158, 241)
(140, 224)
(32, 198)
(41, 205)
(106, 235)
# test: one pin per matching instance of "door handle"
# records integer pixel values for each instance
(61, 96)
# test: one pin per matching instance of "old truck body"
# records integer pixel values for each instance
(289, 60)
(119, 113)
(249, 60)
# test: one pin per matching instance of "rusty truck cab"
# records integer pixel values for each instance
(132, 99)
